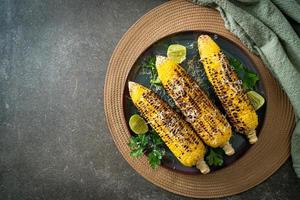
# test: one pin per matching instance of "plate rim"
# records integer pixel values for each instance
(198, 32)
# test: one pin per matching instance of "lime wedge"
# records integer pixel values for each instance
(256, 99)
(137, 124)
(177, 53)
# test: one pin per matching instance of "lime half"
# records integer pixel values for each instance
(137, 124)
(256, 99)
(177, 53)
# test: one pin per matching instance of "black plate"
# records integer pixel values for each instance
(189, 40)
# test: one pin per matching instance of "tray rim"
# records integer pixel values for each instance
(139, 166)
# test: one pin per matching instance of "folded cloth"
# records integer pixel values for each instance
(262, 27)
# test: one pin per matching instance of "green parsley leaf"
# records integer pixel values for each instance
(150, 142)
(149, 63)
(138, 144)
(132, 142)
(248, 77)
(156, 140)
(136, 153)
(155, 156)
(215, 157)
(155, 81)
(143, 140)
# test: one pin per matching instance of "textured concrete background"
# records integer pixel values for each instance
(54, 142)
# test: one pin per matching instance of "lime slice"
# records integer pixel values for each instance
(137, 124)
(177, 53)
(256, 99)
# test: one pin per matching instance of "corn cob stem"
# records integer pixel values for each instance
(252, 136)
(202, 166)
(173, 130)
(229, 150)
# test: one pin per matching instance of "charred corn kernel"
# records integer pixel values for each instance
(228, 88)
(199, 111)
(174, 131)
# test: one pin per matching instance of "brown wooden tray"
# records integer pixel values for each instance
(256, 165)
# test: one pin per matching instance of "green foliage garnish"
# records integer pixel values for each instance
(151, 144)
(138, 144)
(157, 150)
(155, 139)
(150, 64)
(248, 77)
(215, 157)
(155, 156)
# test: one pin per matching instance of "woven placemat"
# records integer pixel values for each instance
(257, 164)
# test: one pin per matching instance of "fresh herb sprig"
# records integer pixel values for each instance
(214, 157)
(149, 63)
(248, 77)
(150, 144)
(138, 144)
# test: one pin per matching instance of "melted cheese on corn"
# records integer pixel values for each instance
(194, 104)
(227, 86)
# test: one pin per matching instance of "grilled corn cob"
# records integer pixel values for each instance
(174, 131)
(228, 88)
(195, 105)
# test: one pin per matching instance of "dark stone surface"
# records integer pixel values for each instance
(54, 142)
